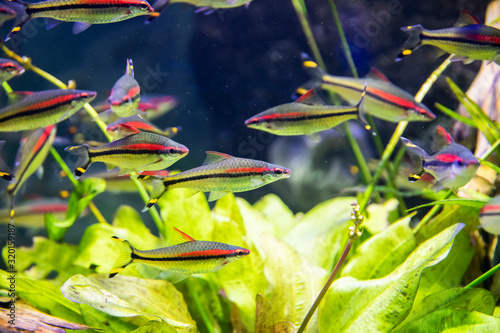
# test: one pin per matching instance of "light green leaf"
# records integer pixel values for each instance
(479, 300)
(457, 116)
(380, 305)
(382, 253)
(321, 234)
(155, 327)
(377, 218)
(277, 213)
(453, 321)
(126, 296)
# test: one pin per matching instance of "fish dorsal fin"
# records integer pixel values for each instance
(180, 237)
(311, 97)
(16, 96)
(376, 74)
(130, 68)
(441, 139)
(466, 18)
(214, 157)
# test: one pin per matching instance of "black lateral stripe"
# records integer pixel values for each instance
(436, 163)
(136, 256)
(312, 117)
(27, 113)
(124, 152)
(369, 93)
(167, 183)
(459, 40)
(490, 214)
(31, 10)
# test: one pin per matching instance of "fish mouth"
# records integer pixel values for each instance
(428, 115)
(251, 122)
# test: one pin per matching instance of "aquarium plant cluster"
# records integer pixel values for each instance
(352, 263)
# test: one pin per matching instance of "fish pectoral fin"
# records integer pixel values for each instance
(187, 192)
(316, 137)
(80, 27)
(231, 2)
(215, 195)
(341, 128)
(51, 23)
(456, 57)
(173, 277)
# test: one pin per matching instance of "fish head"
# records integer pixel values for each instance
(420, 112)
(175, 151)
(237, 253)
(275, 172)
(459, 165)
(262, 122)
(140, 8)
(489, 216)
(126, 90)
(10, 68)
(82, 96)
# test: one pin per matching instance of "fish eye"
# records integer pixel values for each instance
(172, 151)
(143, 6)
(278, 171)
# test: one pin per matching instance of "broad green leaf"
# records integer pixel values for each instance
(155, 327)
(97, 249)
(126, 296)
(453, 321)
(449, 272)
(448, 216)
(457, 116)
(321, 234)
(45, 257)
(479, 300)
(475, 203)
(382, 253)
(294, 282)
(276, 212)
(379, 305)
(191, 215)
(377, 218)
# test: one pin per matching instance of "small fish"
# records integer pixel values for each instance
(6, 14)
(43, 108)
(137, 152)
(122, 184)
(204, 5)
(220, 174)
(5, 171)
(126, 93)
(82, 12)
(452, 166)
(383, 99)
(489, 216)
(31, 215)
(9, 68)
(189, 257)
(306, 116)
(135, 124)
(31, 154)
(149, 107)
(468, 40)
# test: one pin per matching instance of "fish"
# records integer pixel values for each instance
(9, 68)
(134, 124)
(32, 152)
(122, 184)
(189, 257)
(31, 215)
(83, 12)
(489, 216)
(468, 40)
(43, 108)
(5, 172)
(306, 116)
(126, 93)
(452, 166)
(149, 107)
(6, 14)
(220, 174)
(383, 99)
(159, 5)
(137, 152)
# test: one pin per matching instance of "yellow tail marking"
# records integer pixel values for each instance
(368, 127)
(414, 176)
(311, 64)
(82, 170)
(406, 52)
(155, 14)
(4, 174)
(12, 213)
(152, 201)
(301, 91)
(16, 29)
(64, 194)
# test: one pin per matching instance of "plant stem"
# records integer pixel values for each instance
(201, 310)
(327, 285)
(491, 150)
(483, 277)
(64, 166)
(301, 10)
(430, 214)
(154, 213)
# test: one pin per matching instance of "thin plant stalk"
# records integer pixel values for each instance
(26, 63)
(483, 277)
(430, 214)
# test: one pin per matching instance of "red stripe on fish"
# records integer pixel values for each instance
(448, 158)
(247, 170)
(146, 146)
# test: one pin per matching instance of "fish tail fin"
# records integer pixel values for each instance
(83, 161)
(313, 70)
(22, 16)
(130, 68)
(124, 258)
(417, 156)
(158, 189)
(413, 42)
(361, 110)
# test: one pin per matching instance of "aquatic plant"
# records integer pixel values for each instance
(345, 263)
